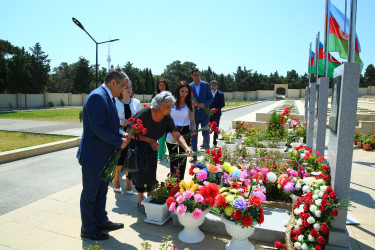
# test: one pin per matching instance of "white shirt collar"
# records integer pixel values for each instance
(214, 93)
(108, 91)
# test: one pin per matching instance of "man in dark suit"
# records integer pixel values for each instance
(218, 103)
(203, 96)
(101, 136)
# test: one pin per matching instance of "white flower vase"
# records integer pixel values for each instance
(156, 213)
(239, 141)
(191, 232)
(239, 235)
(220, 143)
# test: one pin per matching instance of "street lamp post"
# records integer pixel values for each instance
(96, 43)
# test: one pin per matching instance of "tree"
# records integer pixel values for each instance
(7, 50)
(136, 77)
(83, 76)
(292, 79)
(19, 73)
(243, 80)
(176, 72)
(369, 77)
(62, 78)
(39, 69)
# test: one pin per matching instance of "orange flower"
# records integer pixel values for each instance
(212, 168)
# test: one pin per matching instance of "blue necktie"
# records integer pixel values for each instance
(114, 101)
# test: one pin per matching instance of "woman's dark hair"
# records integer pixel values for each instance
(166, 85)
(180, 85)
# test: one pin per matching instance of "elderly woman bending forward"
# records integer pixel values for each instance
(157, 121)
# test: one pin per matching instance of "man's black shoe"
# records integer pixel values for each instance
(111, 226)
(201, 146)
(193, 159)
(95, 235)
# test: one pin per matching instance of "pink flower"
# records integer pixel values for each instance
(172, 206)
(197, 213)
(260, 194)
(242, 175)
(199, 198)
(247, 182)
(201, 175)
(180, 199)
(253, 171)
(181, 209)
(188, 193)
(265, 171)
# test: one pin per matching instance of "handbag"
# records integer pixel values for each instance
(136, 157)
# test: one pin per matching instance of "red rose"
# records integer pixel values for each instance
(278, 244)
(334, 212)
(317, 247)
(237, 215)
(314, 233)
(305, 208)
(325, 195)
(255, 201)
(295, 238)
(329, 189)
(325, 203)
(326, 177)
(246, 221)
(324, 228)
(170, 200)
(302, 228)
(261, 219)
(322, 209)
(321, 240)
(305, 223)
(326, 168)
(320, 159)
(220, 201)
(332, 195)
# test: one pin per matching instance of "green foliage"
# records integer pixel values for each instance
(95, 247)
(51, 103)
(62, 103)
(80, 116)
(275, 131)
(39, 69)
(83, 75)
(177, 71)
(61, 79)
(369, 76)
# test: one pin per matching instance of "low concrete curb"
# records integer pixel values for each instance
(22, 153)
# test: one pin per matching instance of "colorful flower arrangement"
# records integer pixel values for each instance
(193, 199)
(313, 213)
(164, 190)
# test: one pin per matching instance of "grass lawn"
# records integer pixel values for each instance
(55, 115)
(231, 104)
(16, 140)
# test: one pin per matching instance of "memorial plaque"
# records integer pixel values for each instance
(335, 104)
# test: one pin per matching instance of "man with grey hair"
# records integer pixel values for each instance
(101, 136)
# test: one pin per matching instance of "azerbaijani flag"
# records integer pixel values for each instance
(332, 62)
(338, 41)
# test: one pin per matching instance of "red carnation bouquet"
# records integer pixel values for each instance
(310, 223)
(111, 165)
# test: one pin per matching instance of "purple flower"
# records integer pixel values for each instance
(240, 203)
(289, 186)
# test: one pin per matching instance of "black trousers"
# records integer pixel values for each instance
(178, 163)
(217, 120)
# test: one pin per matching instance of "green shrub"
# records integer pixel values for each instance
(80, 116)
(51, 103)
(62, 103)
(275, 131)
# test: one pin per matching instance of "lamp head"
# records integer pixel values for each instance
(78, 23)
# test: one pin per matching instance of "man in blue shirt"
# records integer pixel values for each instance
(203, 98)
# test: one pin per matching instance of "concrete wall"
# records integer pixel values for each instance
(251, 95)
(264, 94)
(228, 95)
(8, 101)
(371, 90)
(362, 91)
(76, 100)
(34, 100)
(294, 93)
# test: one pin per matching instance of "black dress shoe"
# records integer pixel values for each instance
(95, 235)
(111, 226)
(201, 146)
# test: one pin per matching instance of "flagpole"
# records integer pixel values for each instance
(353, 16)
(317, 55)
(309, 66)
(326, 39)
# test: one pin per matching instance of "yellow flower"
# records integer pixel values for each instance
(194, 187)
(238, 196)
(223, 189)
(229, 198)
(234, 191)
(229, 210)
(182, 190)
(226, 166)
(225, 193)
(279, 186)
(182, 184)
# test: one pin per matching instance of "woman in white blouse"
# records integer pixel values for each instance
(183, 116)
(127, 106)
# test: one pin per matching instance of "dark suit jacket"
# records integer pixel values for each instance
(218, 103)
(205, 94)
(101, 133)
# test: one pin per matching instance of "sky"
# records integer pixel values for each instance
(262, 35)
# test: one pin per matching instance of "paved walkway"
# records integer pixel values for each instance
(54, 221)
